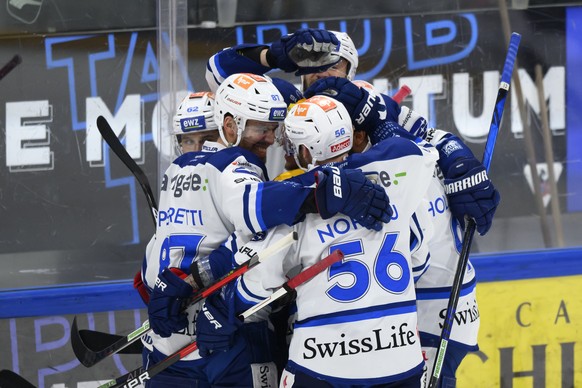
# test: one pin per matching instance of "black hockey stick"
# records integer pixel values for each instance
(470, 231)
(139, 375)
(9, 379)
(113, 141)
(15, 61)
(90, 357)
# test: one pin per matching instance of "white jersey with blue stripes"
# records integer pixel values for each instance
(356, 322)
(434, 287)
(205, 197)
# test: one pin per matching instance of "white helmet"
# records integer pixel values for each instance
(323, 125)
(195, 114)
(348, 51)
(248, 97)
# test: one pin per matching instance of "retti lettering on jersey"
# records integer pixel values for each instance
(378, 340)
(466, 183)
(180, 216)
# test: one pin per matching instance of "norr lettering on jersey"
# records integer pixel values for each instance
(341, 226)
(379, 339)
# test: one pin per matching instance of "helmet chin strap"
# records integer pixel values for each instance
(240, 123)
(310, 166)
(239, 131)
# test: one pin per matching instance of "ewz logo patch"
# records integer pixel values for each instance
(192, 123)
(277, 113)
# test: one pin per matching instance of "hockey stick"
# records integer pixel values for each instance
(90, 357)
(15, 61)
(113, 141)
(138, 376)
(401, 94)
(470, 231)
(9, 379)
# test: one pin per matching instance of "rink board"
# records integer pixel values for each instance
(530, 306)
(531, 331)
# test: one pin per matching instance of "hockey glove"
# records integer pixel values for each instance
(305, 51)
(368, 112)
(349, 192)
(166, 302)
(215, 326)
(470, 192)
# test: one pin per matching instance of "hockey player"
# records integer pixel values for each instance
(434, 286)
(456, 159)
(194, 122)
(207, 196)
(356, 323)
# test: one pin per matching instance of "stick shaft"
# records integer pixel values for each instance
(471, 226)
(140, 375)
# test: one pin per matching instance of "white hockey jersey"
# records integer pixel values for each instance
(361, 311)
(205, 197)
(434, 287)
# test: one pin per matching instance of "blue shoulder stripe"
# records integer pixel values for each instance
(192, 158)
(224, 157)
(443, 292)
(391, 148)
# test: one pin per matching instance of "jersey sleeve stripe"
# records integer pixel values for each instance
(259, 207)
(359, 314)
(246, 212)
(443, 292)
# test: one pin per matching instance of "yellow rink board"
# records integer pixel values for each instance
(527, 322)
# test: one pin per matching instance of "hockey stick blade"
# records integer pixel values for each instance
(89, 356)
(15, 61)
(471, 225)
(95, 339)
(139, 376)
(115, 144)
(9, 379)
